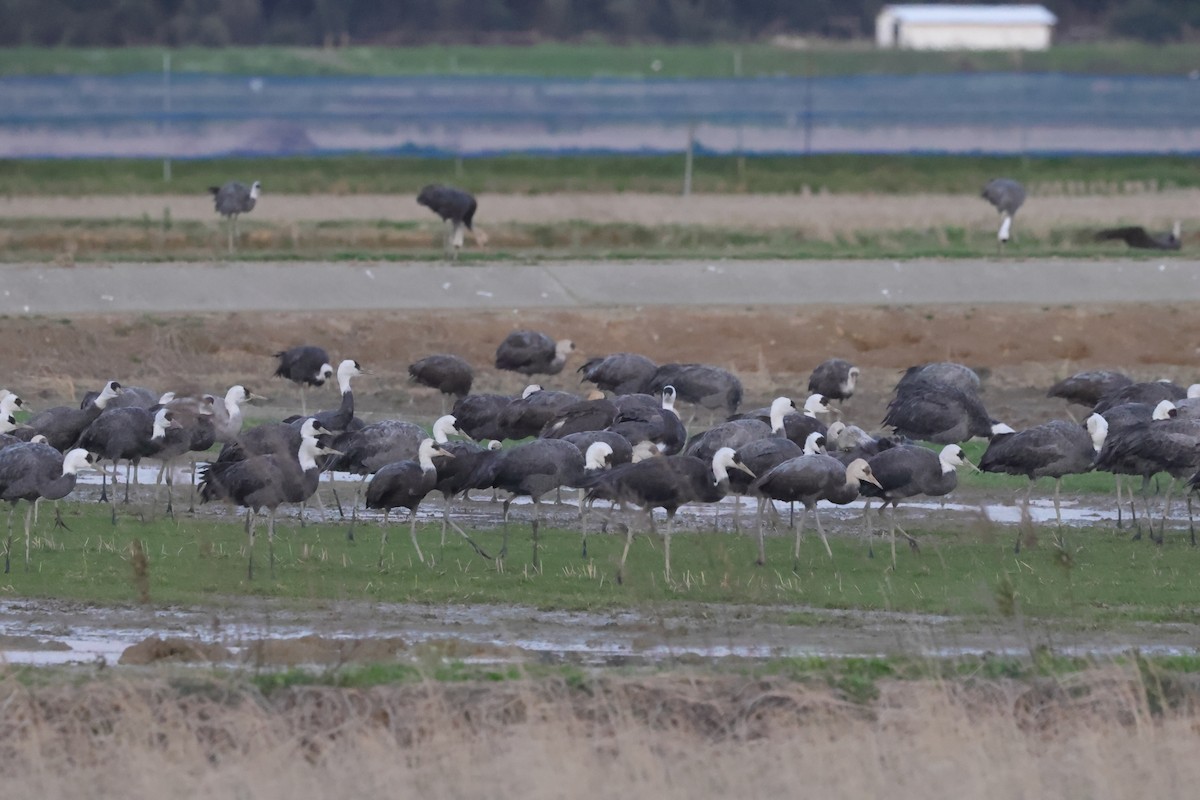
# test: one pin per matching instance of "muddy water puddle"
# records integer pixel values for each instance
(48, 633)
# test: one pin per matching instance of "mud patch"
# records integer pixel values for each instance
(154, 650)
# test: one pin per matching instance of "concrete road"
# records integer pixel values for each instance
(310, 286)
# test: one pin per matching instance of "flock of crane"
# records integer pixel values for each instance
(625, 444)
(457, 209)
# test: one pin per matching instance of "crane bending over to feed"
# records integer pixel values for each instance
(232, 199)
(456, 207)
(1007, 196)
(533, 353)
(304, 365)
(1138, 237)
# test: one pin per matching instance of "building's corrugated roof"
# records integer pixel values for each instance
(978, 15)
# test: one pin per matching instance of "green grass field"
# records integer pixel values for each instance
(587, 60)
(152, 240)
(900, 174)
(972, 571)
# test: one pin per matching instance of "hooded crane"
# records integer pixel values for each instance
(455, 207)
(957, 375)
(619, 373)
(195, 434)
(61, 425)
(533, 353)
(371, 448)
(940, 413)
(227, 415)
(31, 471)
(796, 426)
(594, 414)
(233, 199)
(1150, 393)
(455, 475)
(304, 365)
(667, 483)
(641, 418)
(266, 482)
(448, 373)
(836, 379)
(807, 479)
(127, 433)
(478, 415)
(1087, 388)
(130, 396)
(1051, 450)
(1138, 237)
(703, 384)
(906, 471)
(341, 418)
(1125, 421)
(532, 411)
(404, 484)
(739, 432)
(533, 469)
(1007, 196)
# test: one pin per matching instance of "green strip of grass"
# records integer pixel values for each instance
(588, 60)
(890, 174)
(970, 570)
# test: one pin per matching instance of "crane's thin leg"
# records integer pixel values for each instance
(250, 542)
(1162, 529)
(534, 526)
(412, 534)
(1191, 519)
(303, 402)
(28, 527)
(1024, 516)
(583, 522)
(799, 534)
(762, 547)
(504, 541)
(1117, 481)
(624, 554)
(867, 524)
(474, 546)
(892, 533)
(128, 478)
(170, 491)
(8, 542)
(821, 531)
(667, 545)
(271, 542)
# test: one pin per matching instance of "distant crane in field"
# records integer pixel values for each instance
(1138, 237)
(232, 199)
(456, 207)
(1007, 196)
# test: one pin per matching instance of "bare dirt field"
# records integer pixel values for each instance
(820, 214)
(1021, 349)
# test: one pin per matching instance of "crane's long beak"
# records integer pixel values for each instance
(971, 466)
(440, 452)
(871, 479)
(745, 469)
(254, 397)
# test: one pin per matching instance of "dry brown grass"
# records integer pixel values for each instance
(1091, 736)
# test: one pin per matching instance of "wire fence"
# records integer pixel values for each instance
(193, 116)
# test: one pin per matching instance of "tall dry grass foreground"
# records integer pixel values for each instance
(1103, 734)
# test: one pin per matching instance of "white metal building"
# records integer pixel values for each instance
(946, 27)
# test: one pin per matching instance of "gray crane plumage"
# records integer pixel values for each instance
(1139, 238)
(906, 471)
(1088, 387)
(232, 200)
(642, 418)
(1050, 450)
(266, 482)
(806, 479)
(456, 207)
(528, 415)
(532, 353)
(938, 412)
(61, 425)
(478, 415)
(304, 365)
(446, 372)
(1150, 393)
(957, 375)
(835, 379)
(620, 373)
(404, 484)
(33, 470)
(585, 415)
(1007, 196)
(703, 384)
(128, 434)
(533, 469)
